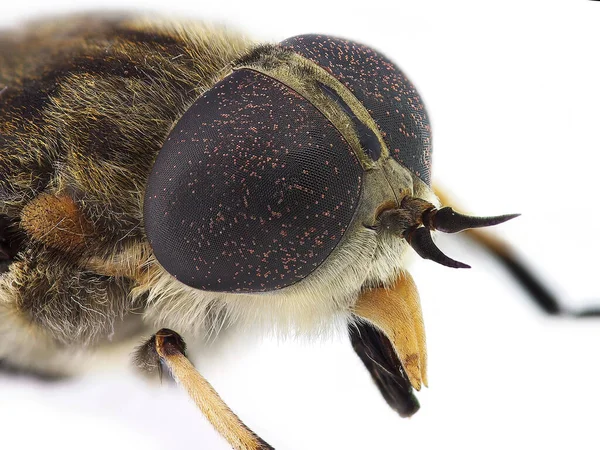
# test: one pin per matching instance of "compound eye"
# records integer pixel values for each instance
(383, 89)
(252, 190)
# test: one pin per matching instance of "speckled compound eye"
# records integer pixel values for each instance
(252, 190)
(388, 95)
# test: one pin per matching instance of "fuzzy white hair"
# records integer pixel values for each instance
(363, 259)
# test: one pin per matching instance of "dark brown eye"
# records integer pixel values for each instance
(11, 240)
(387, 94)
(252, 190)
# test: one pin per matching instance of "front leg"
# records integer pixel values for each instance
(168, 348)
(396, 311)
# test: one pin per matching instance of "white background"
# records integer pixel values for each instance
(513, 92)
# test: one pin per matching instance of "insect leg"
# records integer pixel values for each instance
(538, 291)
(396, 311)
(540, 294)
(168, 348)
(520, 271)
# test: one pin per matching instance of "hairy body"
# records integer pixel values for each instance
(86, 106)
(109, 149)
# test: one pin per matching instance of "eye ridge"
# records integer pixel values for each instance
(368, 140)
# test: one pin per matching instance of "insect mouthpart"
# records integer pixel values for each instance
(416, 218)
(10, 242)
